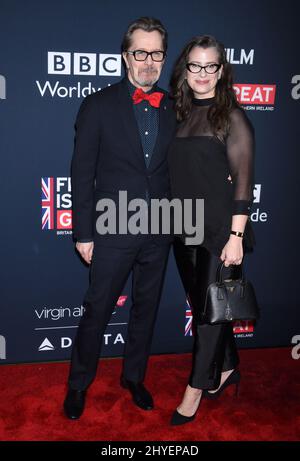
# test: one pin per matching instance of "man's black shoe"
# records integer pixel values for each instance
(74, 403)
(141, 397)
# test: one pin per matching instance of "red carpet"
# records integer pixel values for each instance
(267, 409)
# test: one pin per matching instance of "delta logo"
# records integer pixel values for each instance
(256, 96)
(46, 345)
(66, 342)
(56, 204)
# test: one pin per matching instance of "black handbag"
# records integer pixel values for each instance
(230, 300)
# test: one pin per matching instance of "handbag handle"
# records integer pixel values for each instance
(219, 275)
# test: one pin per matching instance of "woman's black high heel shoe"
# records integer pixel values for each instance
(178, 418)
(233, 378)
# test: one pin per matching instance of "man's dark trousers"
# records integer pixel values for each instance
(109, 272)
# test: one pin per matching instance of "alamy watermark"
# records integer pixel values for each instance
(156, 216)
(296, 348)
(2, 87)
(2, 348)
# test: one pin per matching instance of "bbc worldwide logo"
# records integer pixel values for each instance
(56, 203)
(65, 63)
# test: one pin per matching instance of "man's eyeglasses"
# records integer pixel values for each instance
(196, 68)
(141, 55)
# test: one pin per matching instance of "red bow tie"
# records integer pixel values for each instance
(154, 98)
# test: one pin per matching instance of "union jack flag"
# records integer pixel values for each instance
(47, 203)
(189, 320)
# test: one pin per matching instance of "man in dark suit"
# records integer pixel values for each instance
(122, 136)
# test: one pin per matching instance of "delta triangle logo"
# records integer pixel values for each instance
(46, 346)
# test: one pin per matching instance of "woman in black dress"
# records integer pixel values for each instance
(211, 158)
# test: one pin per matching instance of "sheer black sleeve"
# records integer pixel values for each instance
(240, 153)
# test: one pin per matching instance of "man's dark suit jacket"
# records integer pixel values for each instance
(108, 158)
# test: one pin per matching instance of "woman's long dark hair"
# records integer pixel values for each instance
(225, 99)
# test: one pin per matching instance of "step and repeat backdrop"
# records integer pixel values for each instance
(53, 54)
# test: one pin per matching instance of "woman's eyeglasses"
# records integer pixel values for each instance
(196, 68)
